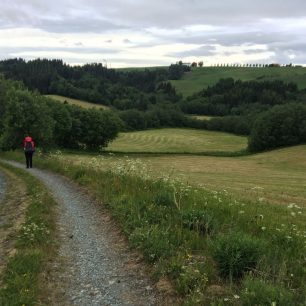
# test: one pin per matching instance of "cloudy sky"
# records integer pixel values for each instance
(130, 33)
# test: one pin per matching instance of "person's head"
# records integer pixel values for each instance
(28, 138)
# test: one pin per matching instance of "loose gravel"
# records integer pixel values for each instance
(2, 186)
(99, 269)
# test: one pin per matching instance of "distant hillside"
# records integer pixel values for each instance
(200, 78)
(81, 103)
(146, 98)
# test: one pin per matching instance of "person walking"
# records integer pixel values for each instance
(29, 149)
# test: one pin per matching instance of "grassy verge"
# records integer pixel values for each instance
(21, 283)
(217, 250)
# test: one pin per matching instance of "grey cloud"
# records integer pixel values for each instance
(200, 51)
(56, 16)
(97, 15)
(76, 26)
(173, 13)
(235, 38)
(253, 51)
(10, 51)
(234, 22)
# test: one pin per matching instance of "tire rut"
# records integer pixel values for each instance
(95, 266)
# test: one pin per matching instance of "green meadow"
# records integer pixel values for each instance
(200, 117)
(199, 78)
(81, 103)
(175, 140)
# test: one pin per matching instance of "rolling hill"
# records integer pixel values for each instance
(199, 78)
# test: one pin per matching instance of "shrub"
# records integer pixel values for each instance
(236, 253)
(259, 292)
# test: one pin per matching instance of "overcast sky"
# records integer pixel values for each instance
(130, 33)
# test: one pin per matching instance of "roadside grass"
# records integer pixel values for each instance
(176, 140)
(200, 78)
(21, 283)
(216, 248)
(77, 102)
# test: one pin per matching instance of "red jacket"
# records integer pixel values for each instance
(28, 139)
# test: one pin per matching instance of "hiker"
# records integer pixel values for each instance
(29, 149)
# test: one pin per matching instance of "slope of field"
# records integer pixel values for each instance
(177, 141)
(198, 117)
(277, 176)
(200, 78)
(81, 103)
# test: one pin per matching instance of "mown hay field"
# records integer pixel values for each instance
(81, 103)
(277, 176)
(177, 141)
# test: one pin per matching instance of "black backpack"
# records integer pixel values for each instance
(29, 146)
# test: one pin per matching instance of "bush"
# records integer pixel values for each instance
(281, 126)
(259, 292)
(236, 253)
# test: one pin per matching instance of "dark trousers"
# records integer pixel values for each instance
(28, 156)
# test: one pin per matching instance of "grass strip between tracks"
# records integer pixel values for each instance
(22, 283)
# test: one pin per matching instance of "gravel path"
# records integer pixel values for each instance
(99, 269)
(2, 194)
(2, 186)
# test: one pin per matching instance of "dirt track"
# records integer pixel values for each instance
(94, 266)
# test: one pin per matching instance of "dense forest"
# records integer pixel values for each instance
(123, 89)
(145, 98)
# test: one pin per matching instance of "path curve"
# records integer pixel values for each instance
(99, 268)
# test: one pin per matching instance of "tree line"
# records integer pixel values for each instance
(50, 123)
(91, 82)
(142, 99)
